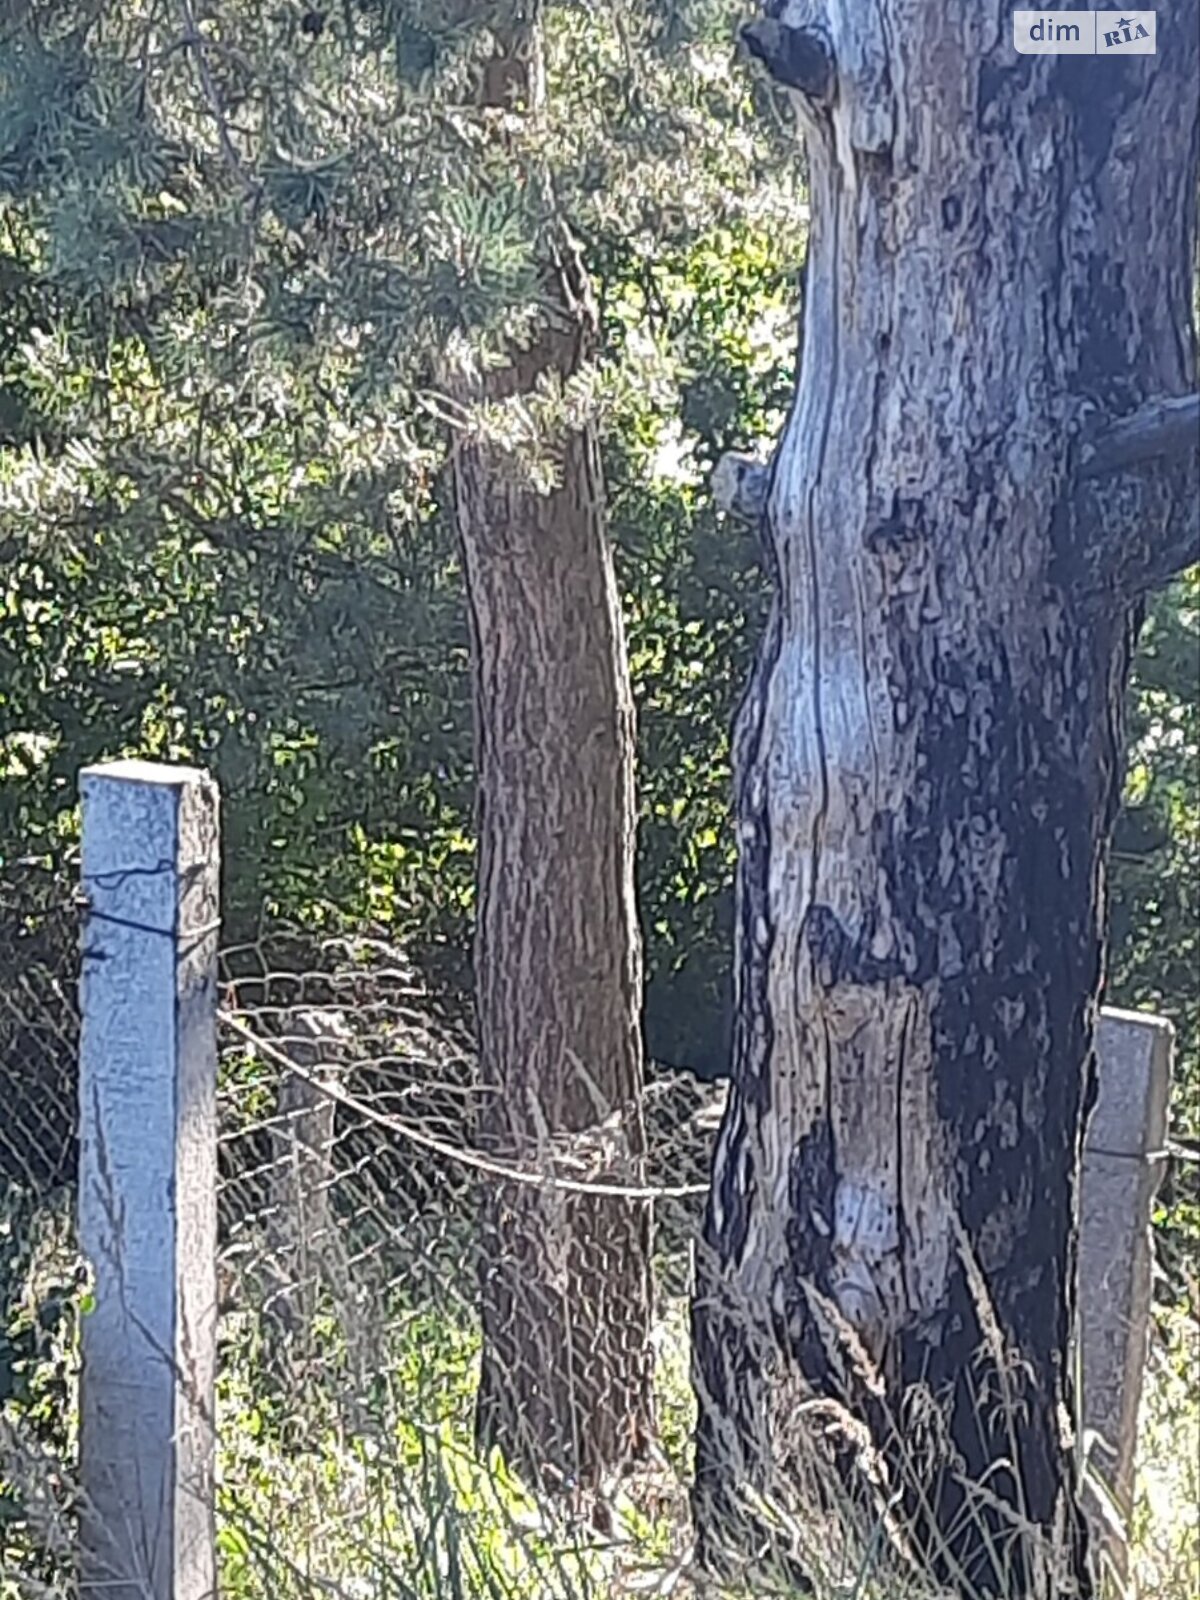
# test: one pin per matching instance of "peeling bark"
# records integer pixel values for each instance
(927, 767)
(565, 1390)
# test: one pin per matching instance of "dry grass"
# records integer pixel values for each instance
(345, 1487)
(1166, 1528)
(384, 1500)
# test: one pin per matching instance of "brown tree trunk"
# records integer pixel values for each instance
(927, 766)
(566, 1294)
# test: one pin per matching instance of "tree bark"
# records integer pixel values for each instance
(927, 766)
(565, 1391)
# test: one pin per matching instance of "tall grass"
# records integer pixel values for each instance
(348, 1471)
(387, 1498)
(1165, 1553)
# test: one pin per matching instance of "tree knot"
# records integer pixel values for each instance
(799, 57)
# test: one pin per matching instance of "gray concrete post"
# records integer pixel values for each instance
(147, 1181)
(300, 1234)
(1122, 1169)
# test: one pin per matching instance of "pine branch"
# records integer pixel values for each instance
(195, 41)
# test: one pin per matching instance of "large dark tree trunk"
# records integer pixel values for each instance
(927, 766)
(566, 1292)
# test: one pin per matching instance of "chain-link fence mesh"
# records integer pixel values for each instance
(39, 1029)
(417, 1353)
(404, 1313)
(430, 1352)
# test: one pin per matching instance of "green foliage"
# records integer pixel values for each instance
(378, 1489)
(230, 259)
(722, 317)
(220, 488)
(219, 492)
(42, 1295)
(1155, 890)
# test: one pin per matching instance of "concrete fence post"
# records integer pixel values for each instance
(147, 1189)
(1123, 1164)
(301, 1235)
